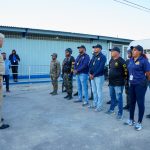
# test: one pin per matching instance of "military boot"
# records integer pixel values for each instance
(54, 93)
(51, 92)
(69, 97)
(66, 96)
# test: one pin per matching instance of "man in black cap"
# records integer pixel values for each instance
(67, 72)
(82, 70)
(117, 75)
(96, 70)
(55, 70)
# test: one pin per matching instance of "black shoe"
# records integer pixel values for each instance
(148, 116)
(78, 101)
(2, 119)
(16, 80)
(76, 94)
(55, 93)
(51, 92)
(109, 102)
(126, 107)
(4, 126)
(91, 98)
(66, 96)
(69, 98)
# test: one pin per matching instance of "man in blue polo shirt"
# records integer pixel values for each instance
(139, 72)
(96, 69)
(81, 70)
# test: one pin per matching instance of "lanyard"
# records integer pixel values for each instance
(79, 60)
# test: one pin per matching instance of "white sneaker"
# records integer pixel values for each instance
(138, 126)
(91, 106)
(130, 122)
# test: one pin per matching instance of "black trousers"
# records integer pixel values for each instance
(137, 95)
(127, 95)
(15, 72)
(6, 79)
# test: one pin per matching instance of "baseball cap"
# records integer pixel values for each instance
(97, 46)
(115, 49)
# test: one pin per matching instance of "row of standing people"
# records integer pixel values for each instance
(132, 74)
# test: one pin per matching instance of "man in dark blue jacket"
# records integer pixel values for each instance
(81, 70)
(96, 69)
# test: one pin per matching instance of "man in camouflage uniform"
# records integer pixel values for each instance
(2, 70)
(55, 70)
(67, 71)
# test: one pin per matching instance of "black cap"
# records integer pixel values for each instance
(115, 49)
(139, 48)
(3, 53)
(54, 54)
(69, 50)
(131, 47)
(82, 46)
(98, 46)
(129, 51)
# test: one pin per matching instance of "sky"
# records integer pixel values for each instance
(97, 17)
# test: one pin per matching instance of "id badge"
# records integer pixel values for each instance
(131, 77)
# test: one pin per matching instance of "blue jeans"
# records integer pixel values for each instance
(82, 82)
(116, 96)
(97, 85)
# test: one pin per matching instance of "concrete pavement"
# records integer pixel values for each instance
(39, 121)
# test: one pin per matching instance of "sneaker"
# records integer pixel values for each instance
(85, 104)
(77, 101)
(109, 112)
(98, 109)
(119, 117)
(92, 107)
(148, 116)
(130, 122)
(4, 126)
(138, 126)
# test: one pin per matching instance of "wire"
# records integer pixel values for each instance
(131, 6)
(137, 5)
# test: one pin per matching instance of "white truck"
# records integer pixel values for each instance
(145, 44)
